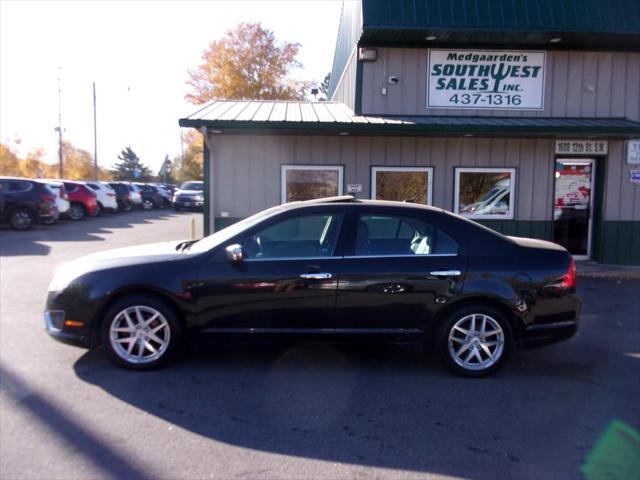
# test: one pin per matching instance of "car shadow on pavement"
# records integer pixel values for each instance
(34, 241)
(389, 407)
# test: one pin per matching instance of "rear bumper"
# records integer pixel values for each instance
(547, 334)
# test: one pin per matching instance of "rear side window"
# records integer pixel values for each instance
(94, 186)
(71, 187)
(17, 186)
(381, 235)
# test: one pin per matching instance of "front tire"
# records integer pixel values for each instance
(141, 332)
(474, 341)
(147, 205)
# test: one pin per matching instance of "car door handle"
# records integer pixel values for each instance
(446, 273)
(315, 276)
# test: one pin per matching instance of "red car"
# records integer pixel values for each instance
(82, 199)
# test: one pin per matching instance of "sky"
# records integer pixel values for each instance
(138, 54)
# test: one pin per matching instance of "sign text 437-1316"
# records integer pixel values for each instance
(480, 79)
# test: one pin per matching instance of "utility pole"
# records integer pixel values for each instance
(95, 136)
(59, 129)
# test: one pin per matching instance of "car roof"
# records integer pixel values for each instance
(350, 199)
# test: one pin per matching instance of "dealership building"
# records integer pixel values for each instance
(523, 116)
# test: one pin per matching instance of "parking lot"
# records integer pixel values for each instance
(298, 411)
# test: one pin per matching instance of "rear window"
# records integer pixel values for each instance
(18, 186)
(94, 186)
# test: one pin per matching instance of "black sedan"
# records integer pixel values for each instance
(337, 268)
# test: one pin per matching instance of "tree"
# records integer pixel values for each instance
(165, 174)
(189, 166)
(130, 167)
(324, 86)
(78, 164)
(247, 63)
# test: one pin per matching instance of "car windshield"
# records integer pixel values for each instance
(207, 243)
(192, 186)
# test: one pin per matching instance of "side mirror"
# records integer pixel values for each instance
(235, 253)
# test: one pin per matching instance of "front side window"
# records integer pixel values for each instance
(402, 184)
(16, 186)
(304, 236)
(485, 192)
(381, 235)
(309, 182)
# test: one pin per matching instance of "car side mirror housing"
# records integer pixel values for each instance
(235, 253)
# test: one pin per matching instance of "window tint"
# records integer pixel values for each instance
(70, 187)
(94, 186)
(398, 235)
(16, 186)
(302, 236)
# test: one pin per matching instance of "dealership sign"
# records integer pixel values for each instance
(486, 79)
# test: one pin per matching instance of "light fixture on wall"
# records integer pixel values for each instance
(468, 134)
(555, 40)
(367, 54)
(430, 38)
(215, 131)
(343, 134)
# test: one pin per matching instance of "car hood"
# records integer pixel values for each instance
(189, 192)
(139, 254)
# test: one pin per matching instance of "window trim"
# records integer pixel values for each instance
(428, 170)
(512, 192)
(285, 168)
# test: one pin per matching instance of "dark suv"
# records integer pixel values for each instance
(123, 196)
(151, 197)
(24, 201)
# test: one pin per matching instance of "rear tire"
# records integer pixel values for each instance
(21, 219)
(76, 211)
(142, 332)
(97, 211)
(474, 340)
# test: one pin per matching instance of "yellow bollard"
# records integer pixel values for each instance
(193, 229)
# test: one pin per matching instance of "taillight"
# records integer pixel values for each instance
(47, 198)
(569, 278)
(111, 194)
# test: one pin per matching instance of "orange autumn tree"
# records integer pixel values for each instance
(248, 63)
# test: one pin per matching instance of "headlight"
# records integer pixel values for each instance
(200, 197)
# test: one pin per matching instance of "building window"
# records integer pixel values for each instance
(402, 184)
(485, 193)
(306, 182)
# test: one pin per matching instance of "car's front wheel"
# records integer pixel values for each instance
(147, 204)
(142, 332)
(474, 340)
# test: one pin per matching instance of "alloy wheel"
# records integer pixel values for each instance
(147, 205)
(139, 334)
(76, 212)
(21, 220)
(476, 342)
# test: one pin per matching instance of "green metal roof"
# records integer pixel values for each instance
(326, 118)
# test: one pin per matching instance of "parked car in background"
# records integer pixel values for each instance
(105, 195)
(124, 194)
(136, 193)
(82, 199)
(62, 201)
(24, 202)
(151, 197)
(167, 194)
(189, 195)
(338, 268)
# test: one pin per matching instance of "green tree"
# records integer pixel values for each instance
(324, 87)
(130, 167)
(165, 174)
(247, 63)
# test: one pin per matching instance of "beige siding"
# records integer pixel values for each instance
(615, 77)
(246, 169)
(346, 88)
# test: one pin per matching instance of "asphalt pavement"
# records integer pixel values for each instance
(302, 411)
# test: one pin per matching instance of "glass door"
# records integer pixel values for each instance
(573, 205)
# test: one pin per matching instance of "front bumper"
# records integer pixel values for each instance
(188, 202)
(64, 324)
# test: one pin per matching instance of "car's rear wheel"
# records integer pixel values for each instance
(97, 210)
(21, 219)
(76, 211)
(125, 206)
(474, 340)
(141, 332)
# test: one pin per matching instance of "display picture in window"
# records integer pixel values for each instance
(485, 194)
